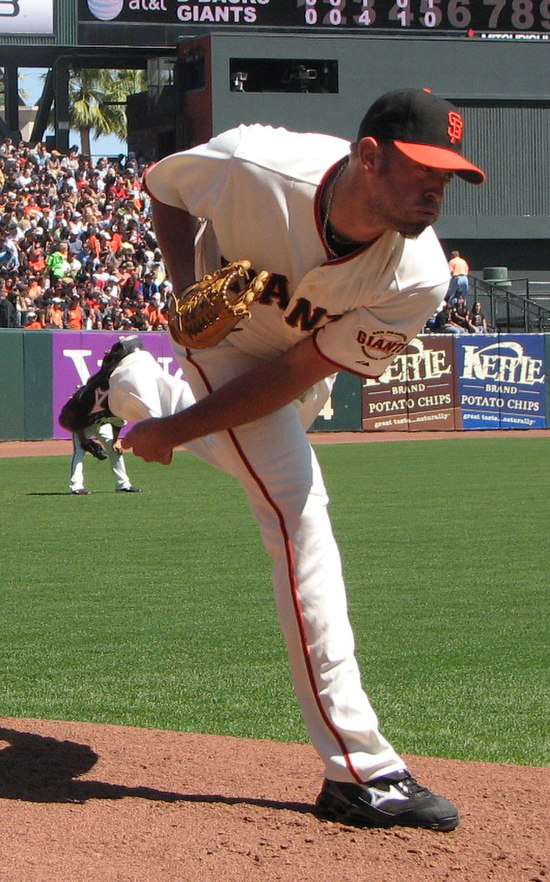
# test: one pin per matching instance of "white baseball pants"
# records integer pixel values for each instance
(275, 464)
(116, 460)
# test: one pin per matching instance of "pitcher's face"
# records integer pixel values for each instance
(407, 196)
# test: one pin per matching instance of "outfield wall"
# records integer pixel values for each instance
(440, 383)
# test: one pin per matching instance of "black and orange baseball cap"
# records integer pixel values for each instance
(424, 127)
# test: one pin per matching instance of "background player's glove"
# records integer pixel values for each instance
(205, 312)
(93, 447)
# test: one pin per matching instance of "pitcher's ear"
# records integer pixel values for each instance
(368, 150)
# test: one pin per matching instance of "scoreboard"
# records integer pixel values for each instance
(465, 18)
(449, 16)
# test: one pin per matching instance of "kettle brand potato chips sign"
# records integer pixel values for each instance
(501, 381)
(494, 381)
(416, 390)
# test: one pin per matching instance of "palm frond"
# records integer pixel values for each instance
(97, 99)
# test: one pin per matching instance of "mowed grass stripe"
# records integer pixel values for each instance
(156, 609)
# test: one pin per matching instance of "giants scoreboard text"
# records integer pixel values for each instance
(449, 17)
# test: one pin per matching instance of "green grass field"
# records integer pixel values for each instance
(156, 609)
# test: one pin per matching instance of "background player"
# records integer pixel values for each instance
(106, 431)
(356, 269)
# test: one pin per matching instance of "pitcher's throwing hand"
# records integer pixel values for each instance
(146, 440)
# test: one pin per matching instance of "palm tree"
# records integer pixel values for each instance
(97, 100)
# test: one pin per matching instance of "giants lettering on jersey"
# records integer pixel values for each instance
(381, 344)
(275, 291)
(303, 314)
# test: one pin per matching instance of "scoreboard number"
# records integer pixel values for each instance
(443, 16)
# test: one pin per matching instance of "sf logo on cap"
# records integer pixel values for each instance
(456, 127)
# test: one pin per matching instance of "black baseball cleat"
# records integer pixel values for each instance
(130, 489)
(395, 799)
(80, 492)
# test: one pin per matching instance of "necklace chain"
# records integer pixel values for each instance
(329, 236)
(328, 203)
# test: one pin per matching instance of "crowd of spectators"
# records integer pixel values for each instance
(77, 248)
(78, 251)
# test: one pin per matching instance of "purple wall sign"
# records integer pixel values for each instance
(78, 355)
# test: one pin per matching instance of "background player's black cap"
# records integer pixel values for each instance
(425, 128)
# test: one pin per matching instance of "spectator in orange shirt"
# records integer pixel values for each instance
(36, 258)
(93, 240)
(55, 313)
(116, 240)
(155, 312)
(76, 317)
(32, 209)
(35, 288)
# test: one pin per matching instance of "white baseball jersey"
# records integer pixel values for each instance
(257, 187)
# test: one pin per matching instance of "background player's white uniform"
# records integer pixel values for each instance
(257, 189)
(104, 432)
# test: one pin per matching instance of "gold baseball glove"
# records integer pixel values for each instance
(203, 314)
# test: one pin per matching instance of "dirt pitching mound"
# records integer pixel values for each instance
(82, 803)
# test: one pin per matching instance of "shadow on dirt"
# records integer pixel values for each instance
(36, 768)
